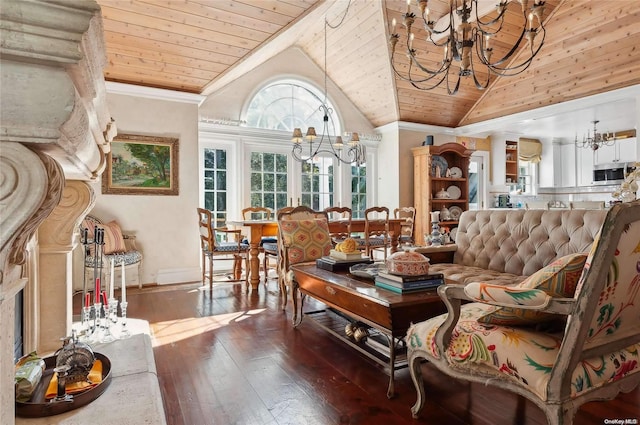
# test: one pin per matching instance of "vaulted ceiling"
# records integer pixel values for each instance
(199, 46)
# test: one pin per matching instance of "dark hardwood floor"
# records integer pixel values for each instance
(231, 356)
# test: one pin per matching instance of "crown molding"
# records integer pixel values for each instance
(154, 93)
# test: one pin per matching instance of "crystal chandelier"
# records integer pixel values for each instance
(308, 147)
(462, 39)
(598, 139)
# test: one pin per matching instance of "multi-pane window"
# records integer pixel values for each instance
(527, 176)
(286, 105)
(215, 184)
(358, 190)
(317, 183)
(268, 180)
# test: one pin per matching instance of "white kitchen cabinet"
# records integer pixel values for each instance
(585, 161)
(568, 168)
(627, 149)
(622, 150)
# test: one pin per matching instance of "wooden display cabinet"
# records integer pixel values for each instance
(511, 163)
(427, 185)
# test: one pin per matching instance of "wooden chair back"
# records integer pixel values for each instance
(341, 223)
(256, 213)
(376, 230)
(406, 228)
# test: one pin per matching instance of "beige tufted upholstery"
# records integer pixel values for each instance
(506, 246)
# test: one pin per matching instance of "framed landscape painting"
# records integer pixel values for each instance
(141, 165)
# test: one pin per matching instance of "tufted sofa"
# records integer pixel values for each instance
(506, 246)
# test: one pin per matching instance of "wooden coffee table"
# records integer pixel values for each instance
(351, 299)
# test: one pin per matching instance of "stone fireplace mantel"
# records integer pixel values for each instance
(55, 129)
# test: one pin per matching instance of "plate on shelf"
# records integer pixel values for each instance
(455, 212)
(456, 172)
(453, 233)
(438, 161)
(454, 192)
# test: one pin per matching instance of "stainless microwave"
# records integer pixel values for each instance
(611, 173)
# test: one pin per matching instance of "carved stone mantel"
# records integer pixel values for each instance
(55, 129)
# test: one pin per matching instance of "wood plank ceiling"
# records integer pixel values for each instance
(197, 45)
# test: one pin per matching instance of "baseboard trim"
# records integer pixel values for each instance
(183, 275)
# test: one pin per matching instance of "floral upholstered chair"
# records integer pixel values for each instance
(303, 237)
(567, 335)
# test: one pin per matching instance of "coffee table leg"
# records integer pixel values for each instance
(392, 360)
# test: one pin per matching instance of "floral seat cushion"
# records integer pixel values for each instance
(518, 353)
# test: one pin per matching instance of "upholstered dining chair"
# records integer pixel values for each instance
(566, 335)
(303, 237)
(215, 242)
(406, 229)
(586, 205)
(376, 231)
(537, 205)
(341, 220)
(271, 249)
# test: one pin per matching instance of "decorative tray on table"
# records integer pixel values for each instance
(367, 271)
(38, 405)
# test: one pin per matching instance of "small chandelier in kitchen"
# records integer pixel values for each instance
(463, 38)
(598, 139)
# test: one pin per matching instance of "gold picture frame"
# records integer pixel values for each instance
(142, 165)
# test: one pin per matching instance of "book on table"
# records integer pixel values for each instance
(413, 278)
(400, 290)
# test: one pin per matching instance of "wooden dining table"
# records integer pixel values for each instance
(260, 228)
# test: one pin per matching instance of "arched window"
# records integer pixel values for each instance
(287, 104)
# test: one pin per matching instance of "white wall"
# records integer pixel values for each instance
(229, 101)
(165, 226)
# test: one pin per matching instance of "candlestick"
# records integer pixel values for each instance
(87, 300)
(123, 286)
(104, 301)
(111, 280)
(124, 333)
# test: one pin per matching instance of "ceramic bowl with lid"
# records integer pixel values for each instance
(407, 263)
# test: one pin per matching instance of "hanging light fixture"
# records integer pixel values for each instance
(598, 139)
(310, 145)
(465, 38)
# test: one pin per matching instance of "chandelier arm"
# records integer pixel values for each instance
(414, 83)
(443, 67)
(455, 89)
(500, 17)
(478, 84)
(521, 67)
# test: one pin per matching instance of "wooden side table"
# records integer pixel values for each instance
(438, 254)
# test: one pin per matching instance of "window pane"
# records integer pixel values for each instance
(306, 183)
(269, 162)
(256, 199)
(281, 183)
(221, 180)
(221, 159)
(256, 162)
(256, 182)
(209, 158)
(209, 180)
(269, 183)
(281, 201)
(208, 201)
(281, 163)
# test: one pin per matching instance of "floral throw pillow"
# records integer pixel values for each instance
(307, 240)
(558, 279)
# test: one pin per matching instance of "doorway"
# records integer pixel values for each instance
(478, 180)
